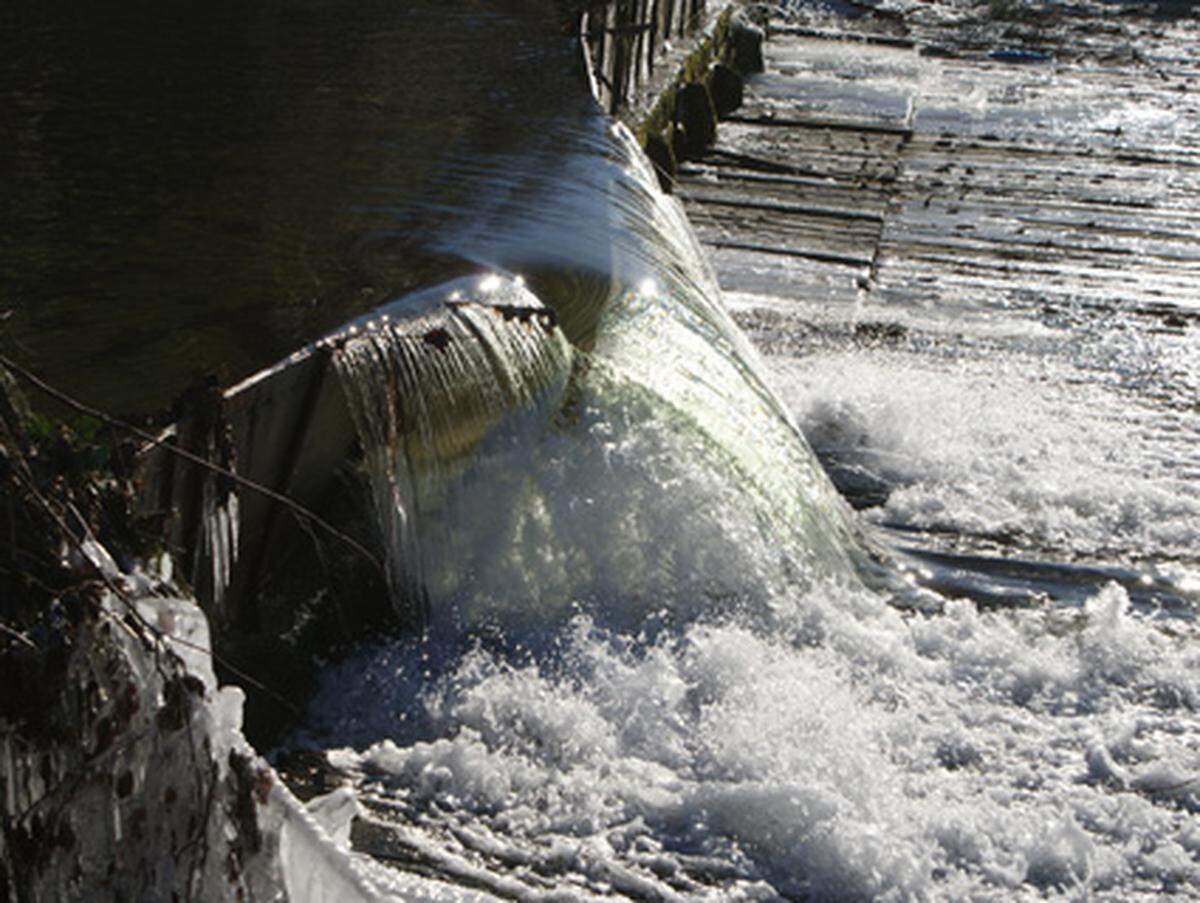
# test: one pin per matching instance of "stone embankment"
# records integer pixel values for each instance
(671, 96)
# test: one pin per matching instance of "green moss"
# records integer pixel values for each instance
(715, 46)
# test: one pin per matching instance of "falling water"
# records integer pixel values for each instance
(653, 670)
(423, 391)
(646, 466)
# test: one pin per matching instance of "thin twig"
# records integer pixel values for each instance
(119, 592)
(296, 508)
(17, 635)
(236, 672)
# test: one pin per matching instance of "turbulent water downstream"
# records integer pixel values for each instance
(665, 659)
(653, 671)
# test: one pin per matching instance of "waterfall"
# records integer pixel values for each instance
(424, 388)
(521, 470)
(653, 673)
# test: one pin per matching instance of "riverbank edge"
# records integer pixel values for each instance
(124, 772)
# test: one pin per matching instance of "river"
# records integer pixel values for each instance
(666, 659)
(1022, 440)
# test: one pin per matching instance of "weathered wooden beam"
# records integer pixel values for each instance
(693, 197)
(817, 124)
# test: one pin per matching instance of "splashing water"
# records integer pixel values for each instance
(652, 671)
(843, 752)
(1005, 448)
(645, 466)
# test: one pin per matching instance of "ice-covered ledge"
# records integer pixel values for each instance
(135, 783)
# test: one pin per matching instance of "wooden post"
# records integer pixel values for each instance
(246, 577)
(655, 22)
(643, 42)
(612, 41)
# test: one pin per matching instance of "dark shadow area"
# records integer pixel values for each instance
(197, 188)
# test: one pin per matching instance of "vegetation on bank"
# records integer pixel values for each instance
(67, 491)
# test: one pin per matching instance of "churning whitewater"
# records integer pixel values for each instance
(661, 663)
(835, 751)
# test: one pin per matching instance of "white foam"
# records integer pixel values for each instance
(842, 752)
(1004, 445)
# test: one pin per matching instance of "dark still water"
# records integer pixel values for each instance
(194, 188)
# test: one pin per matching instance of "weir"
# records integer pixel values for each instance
(577, 431)
(509, 466)
(639, 659)
(547, 412)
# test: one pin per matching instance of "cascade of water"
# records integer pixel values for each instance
(660, 471)
(424, 388)
(823, 746)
